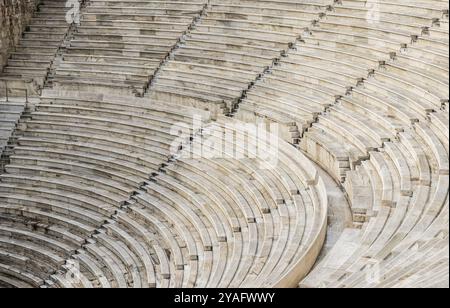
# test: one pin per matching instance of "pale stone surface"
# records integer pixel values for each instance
(359, 194)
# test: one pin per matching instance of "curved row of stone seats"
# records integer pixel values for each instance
(408, 162)
(336, 130)
(413, 75)
(120, 44)
(34, 55)
(329, 62)
(76, 164)
(141, 137)
(430, 64)
(10, 113)
(439, 122)
(408, 266)
(213, 221)
(400, 198)
(58, 210)
(412, 12)
(302, 86)
(425, 9)
(430, 272)
(330, 68)
(440, 33)
(434, 69)
(230, 47)
(416, 77)
(388, 110)
(44, 229)
(393, 21)
(346, 123)
(342, 138)
(377, 24)
(39, 261)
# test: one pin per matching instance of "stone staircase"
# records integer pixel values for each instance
(14, 114)
(31, 65)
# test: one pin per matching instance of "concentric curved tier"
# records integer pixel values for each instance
(75, 195)
(98, 190)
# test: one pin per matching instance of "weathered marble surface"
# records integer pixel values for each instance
(14, 16)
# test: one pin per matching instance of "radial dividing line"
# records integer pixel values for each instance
(170, 54)
(125, 205)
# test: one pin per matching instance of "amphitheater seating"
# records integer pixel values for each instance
(77, 162)
(390, 113)
(30, 64)
(202, 223)
(403, 220)
(120, 44)
(229, 47)
(102, 191)
(347, 69)
(393, 167)
(10, 114)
